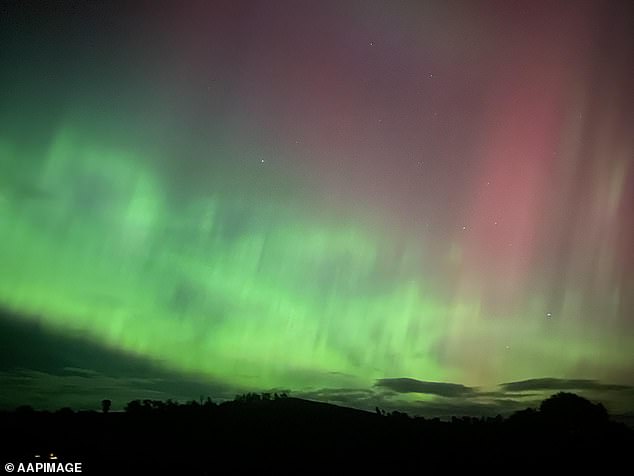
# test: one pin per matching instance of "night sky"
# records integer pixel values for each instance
(420, 205)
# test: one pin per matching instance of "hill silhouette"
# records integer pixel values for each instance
(276, 432)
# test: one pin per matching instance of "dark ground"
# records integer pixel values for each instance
(292, 435)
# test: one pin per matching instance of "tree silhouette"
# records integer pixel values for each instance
(105, 405)
(65, 411)
(570, 410)
(155, 433)
(134, 406)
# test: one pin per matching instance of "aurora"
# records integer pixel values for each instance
(339, 199)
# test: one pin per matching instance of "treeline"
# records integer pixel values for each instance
(563, 408)
(136, 406)
(268, 431)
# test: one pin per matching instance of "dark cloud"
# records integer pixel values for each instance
(78, 389)
(509, 394)
(440, 406)
(48, 369)
(560, 384)
(354, 397)
(79, 371)
(85, 388)
(410, 385)
(446, 408)
(26, 342)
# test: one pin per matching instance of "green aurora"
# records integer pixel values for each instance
(285, 197)
(273, 299)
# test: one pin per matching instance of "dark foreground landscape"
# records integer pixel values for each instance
(282, 434)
